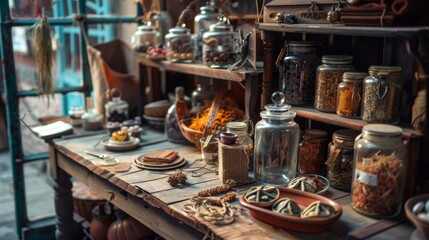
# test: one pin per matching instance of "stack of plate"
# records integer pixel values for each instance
(141, 163)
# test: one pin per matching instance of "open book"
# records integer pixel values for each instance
(52, 130)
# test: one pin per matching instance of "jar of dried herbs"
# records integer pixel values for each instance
(240, 128)
(340, 159)
(382, 95)
(298, 72)
(328, 76)
(349, 94)
(312, 152)
(379, 171)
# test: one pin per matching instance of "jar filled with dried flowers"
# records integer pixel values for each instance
(349, 94)
(312, 152)
(379, 170)
(382, 95)
(340, 159)
(328, 76)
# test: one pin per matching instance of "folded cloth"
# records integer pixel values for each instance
(161, 156)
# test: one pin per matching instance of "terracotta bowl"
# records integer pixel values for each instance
(421, 225)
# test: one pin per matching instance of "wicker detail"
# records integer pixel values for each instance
(233, 163)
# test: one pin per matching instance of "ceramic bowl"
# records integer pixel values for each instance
(420, 224)
(228, 138)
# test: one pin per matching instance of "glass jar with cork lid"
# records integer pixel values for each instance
(349, 94)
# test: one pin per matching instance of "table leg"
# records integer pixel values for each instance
(63, 205)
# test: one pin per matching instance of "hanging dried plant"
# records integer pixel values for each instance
(42, 52)
(187, 14)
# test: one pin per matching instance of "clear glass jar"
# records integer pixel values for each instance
(276, 143)
(208, 15)
(220, 45)
(340, 159)
(380, 160)
(76, 115)
(174, 114)
(312, 152)
(240, 128)
(145, 36)
(116, 109)
(382, 95)
(328, 76)
(298, 71)
(349, 94)
(92, 120)
(202, 96)
(180, 45)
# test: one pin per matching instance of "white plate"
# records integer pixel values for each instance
(140, 160)
(139, 165)
(133, 143)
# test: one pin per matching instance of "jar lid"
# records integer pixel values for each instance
(375, 70)
(302, 46)
(221, 27)
(346, 135)
(337, 59)
(179, 30)
(146, 28)
(314, 134)
(236, 126)
(210, 9)
(354, 76)
(278, 109)
(76, 111)
(91, 114)
(382, 130)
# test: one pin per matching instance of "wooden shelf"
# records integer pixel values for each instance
(340, 29)
(334, 119)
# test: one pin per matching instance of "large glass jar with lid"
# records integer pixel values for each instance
(298, 72)
(276, 143)
(380, 160)
(349, 94)
(208, 15)
(240, 128)
(382, 95)
(145, 36)
(328, 76)
(220, 45)
(180, 45)
(116, 108)
(340, 159)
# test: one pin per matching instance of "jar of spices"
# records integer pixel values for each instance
(298, 71)
(220, 45)
(382, 95)
(380, 160)
(276, 143)
(145, 36)
(116, 108)
(180, 45)
(340, 159)
(312, 152)
(328, 76)
(208, 15)
(175, 113)
(240, 128)
(349, 94)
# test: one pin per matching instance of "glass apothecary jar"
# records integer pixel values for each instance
(312, 152)
(175, 113)
(240, 128)
(208, 15)
(116, 108)
(298, 72)
(220, 45)
(349, 94)
(380, 160)
(276, 143)
(382, 95)
(328, 76)
(145, 36)
(340, 159)
(180, 45)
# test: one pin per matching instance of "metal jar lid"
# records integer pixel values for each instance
(346, 136)
(337, 59)
(385, 70)
(179, 30)
(236, 126)
(315, 134)
(302, 46)
(221, 27)
(354, 76)
(381, 131)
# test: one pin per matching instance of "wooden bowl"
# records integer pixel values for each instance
(421, 225)
(157, 109)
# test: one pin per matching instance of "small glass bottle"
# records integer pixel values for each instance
(298, 71)
(382, 95)
(312, 152)
(145, 36)
(202, 96)
(180, 45)
(208, 15)
(116, 108)
(240, 128)
(380, 160)
(175, 113)
(349, 94)
(340, 159)
(276, 143)
(328, 76)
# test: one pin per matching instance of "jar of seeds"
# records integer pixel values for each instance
(328, 76)
(220, 45)
(180, 45)
(382, 95)
(208, 15)
(298, 72)
(349, 94)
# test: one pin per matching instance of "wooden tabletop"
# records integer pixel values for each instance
(148, 197)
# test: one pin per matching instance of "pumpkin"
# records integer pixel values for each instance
(126, 227)
(102, 218)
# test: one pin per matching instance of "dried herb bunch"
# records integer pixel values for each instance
(381, 197)
(229, 184)
(326, 90)
(177, 178)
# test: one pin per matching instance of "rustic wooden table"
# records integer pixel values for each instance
(146, 196)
